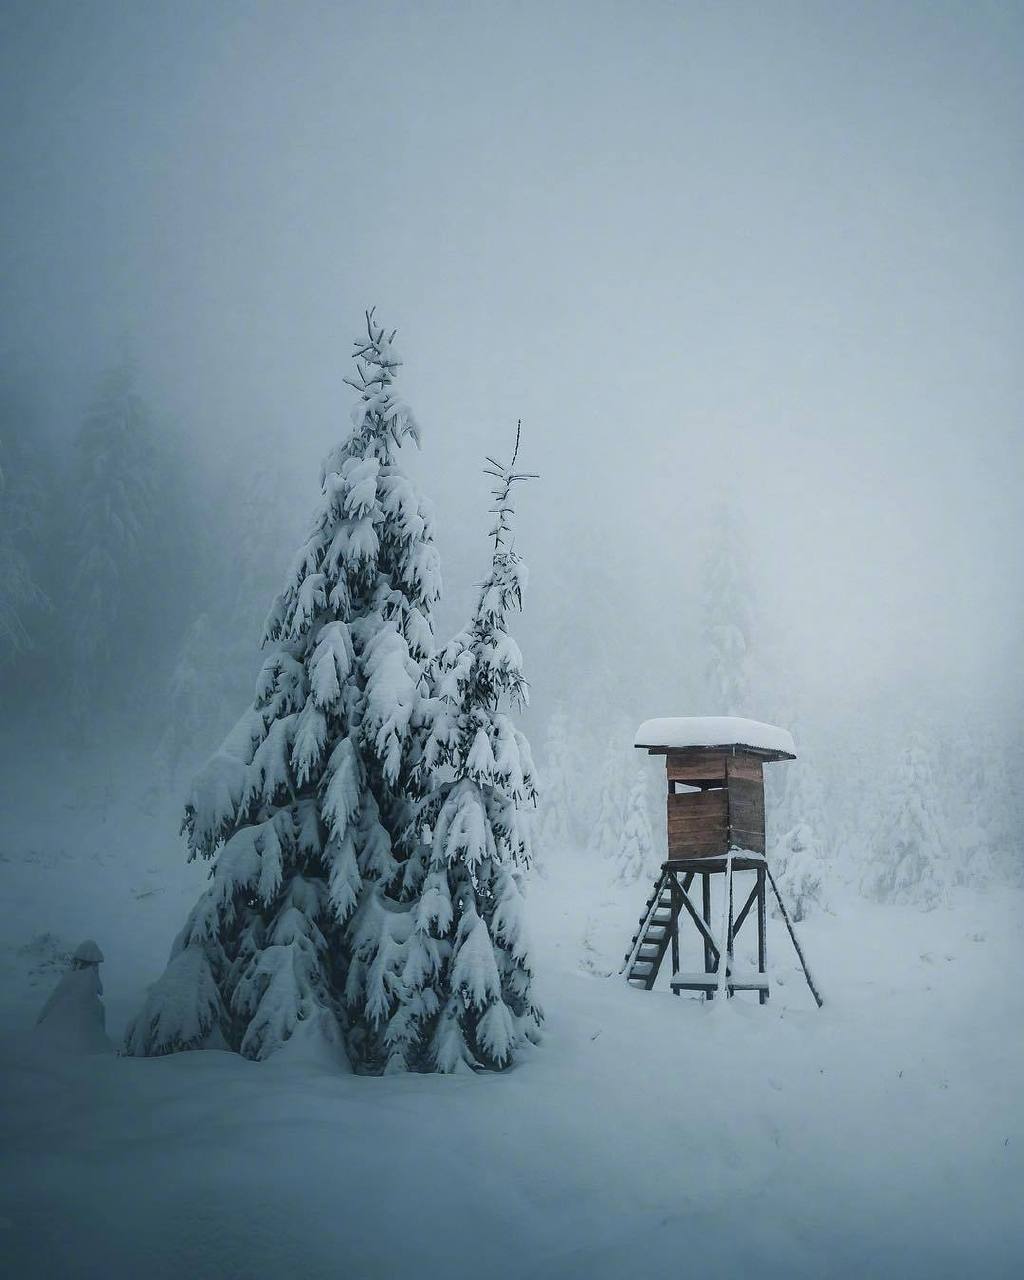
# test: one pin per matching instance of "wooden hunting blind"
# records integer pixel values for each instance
(714, 769)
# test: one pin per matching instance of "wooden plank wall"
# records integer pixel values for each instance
(745, 780)
(696, 767)
(698, 823)
(705, 823)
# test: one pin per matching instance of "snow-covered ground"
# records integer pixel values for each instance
(649, 1136)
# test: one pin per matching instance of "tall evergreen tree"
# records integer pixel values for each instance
(112, 511)
(468, 1000)
(304, 807)
(635, 857)
(606, 836)
(557, 813)
(907, 860)
(727, 625)
(197, 709)
(22, 598)
(218, 657)
(975, 793)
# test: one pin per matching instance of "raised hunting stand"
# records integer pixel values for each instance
(714, 767)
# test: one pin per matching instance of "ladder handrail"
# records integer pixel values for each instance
(645, 921)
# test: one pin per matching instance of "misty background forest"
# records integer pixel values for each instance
(749, 278)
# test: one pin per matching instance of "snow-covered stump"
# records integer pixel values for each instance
(73, 1019)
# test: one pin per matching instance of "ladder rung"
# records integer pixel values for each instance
(652, 935)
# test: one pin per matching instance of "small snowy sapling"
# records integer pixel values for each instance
(73, 1019)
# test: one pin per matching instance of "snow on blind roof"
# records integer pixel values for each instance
(713, 731)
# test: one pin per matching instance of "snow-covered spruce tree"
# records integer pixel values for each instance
(907, 861)
(800, 852)
(302, 808)
(798, 872)
(23, 522)
(1009, 808)
(634, 859)
(976, 792)
(727, 627)
(112, 511)
(1002, 819)
(262, 526)
(557, 829)
(196, 702)
(468, 1000)
(219, 656)
(21, 511)
(606, 833)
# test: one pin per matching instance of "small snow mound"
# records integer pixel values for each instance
(73, 1020)
(678, 732)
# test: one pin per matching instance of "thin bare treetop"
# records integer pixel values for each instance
(379, 411)
(374, 351)
(506, 477)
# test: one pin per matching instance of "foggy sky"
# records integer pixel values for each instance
(766, 251)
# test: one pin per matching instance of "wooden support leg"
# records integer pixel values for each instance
(730, 933)
(674, 925)
(762, 941)
(792, 934)
(709, 963)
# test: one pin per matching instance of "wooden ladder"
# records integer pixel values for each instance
(650, 942)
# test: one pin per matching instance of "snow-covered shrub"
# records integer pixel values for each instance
(43, 956)
(797, 866)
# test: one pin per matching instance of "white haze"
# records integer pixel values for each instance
(770, 253)
(751, 276)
